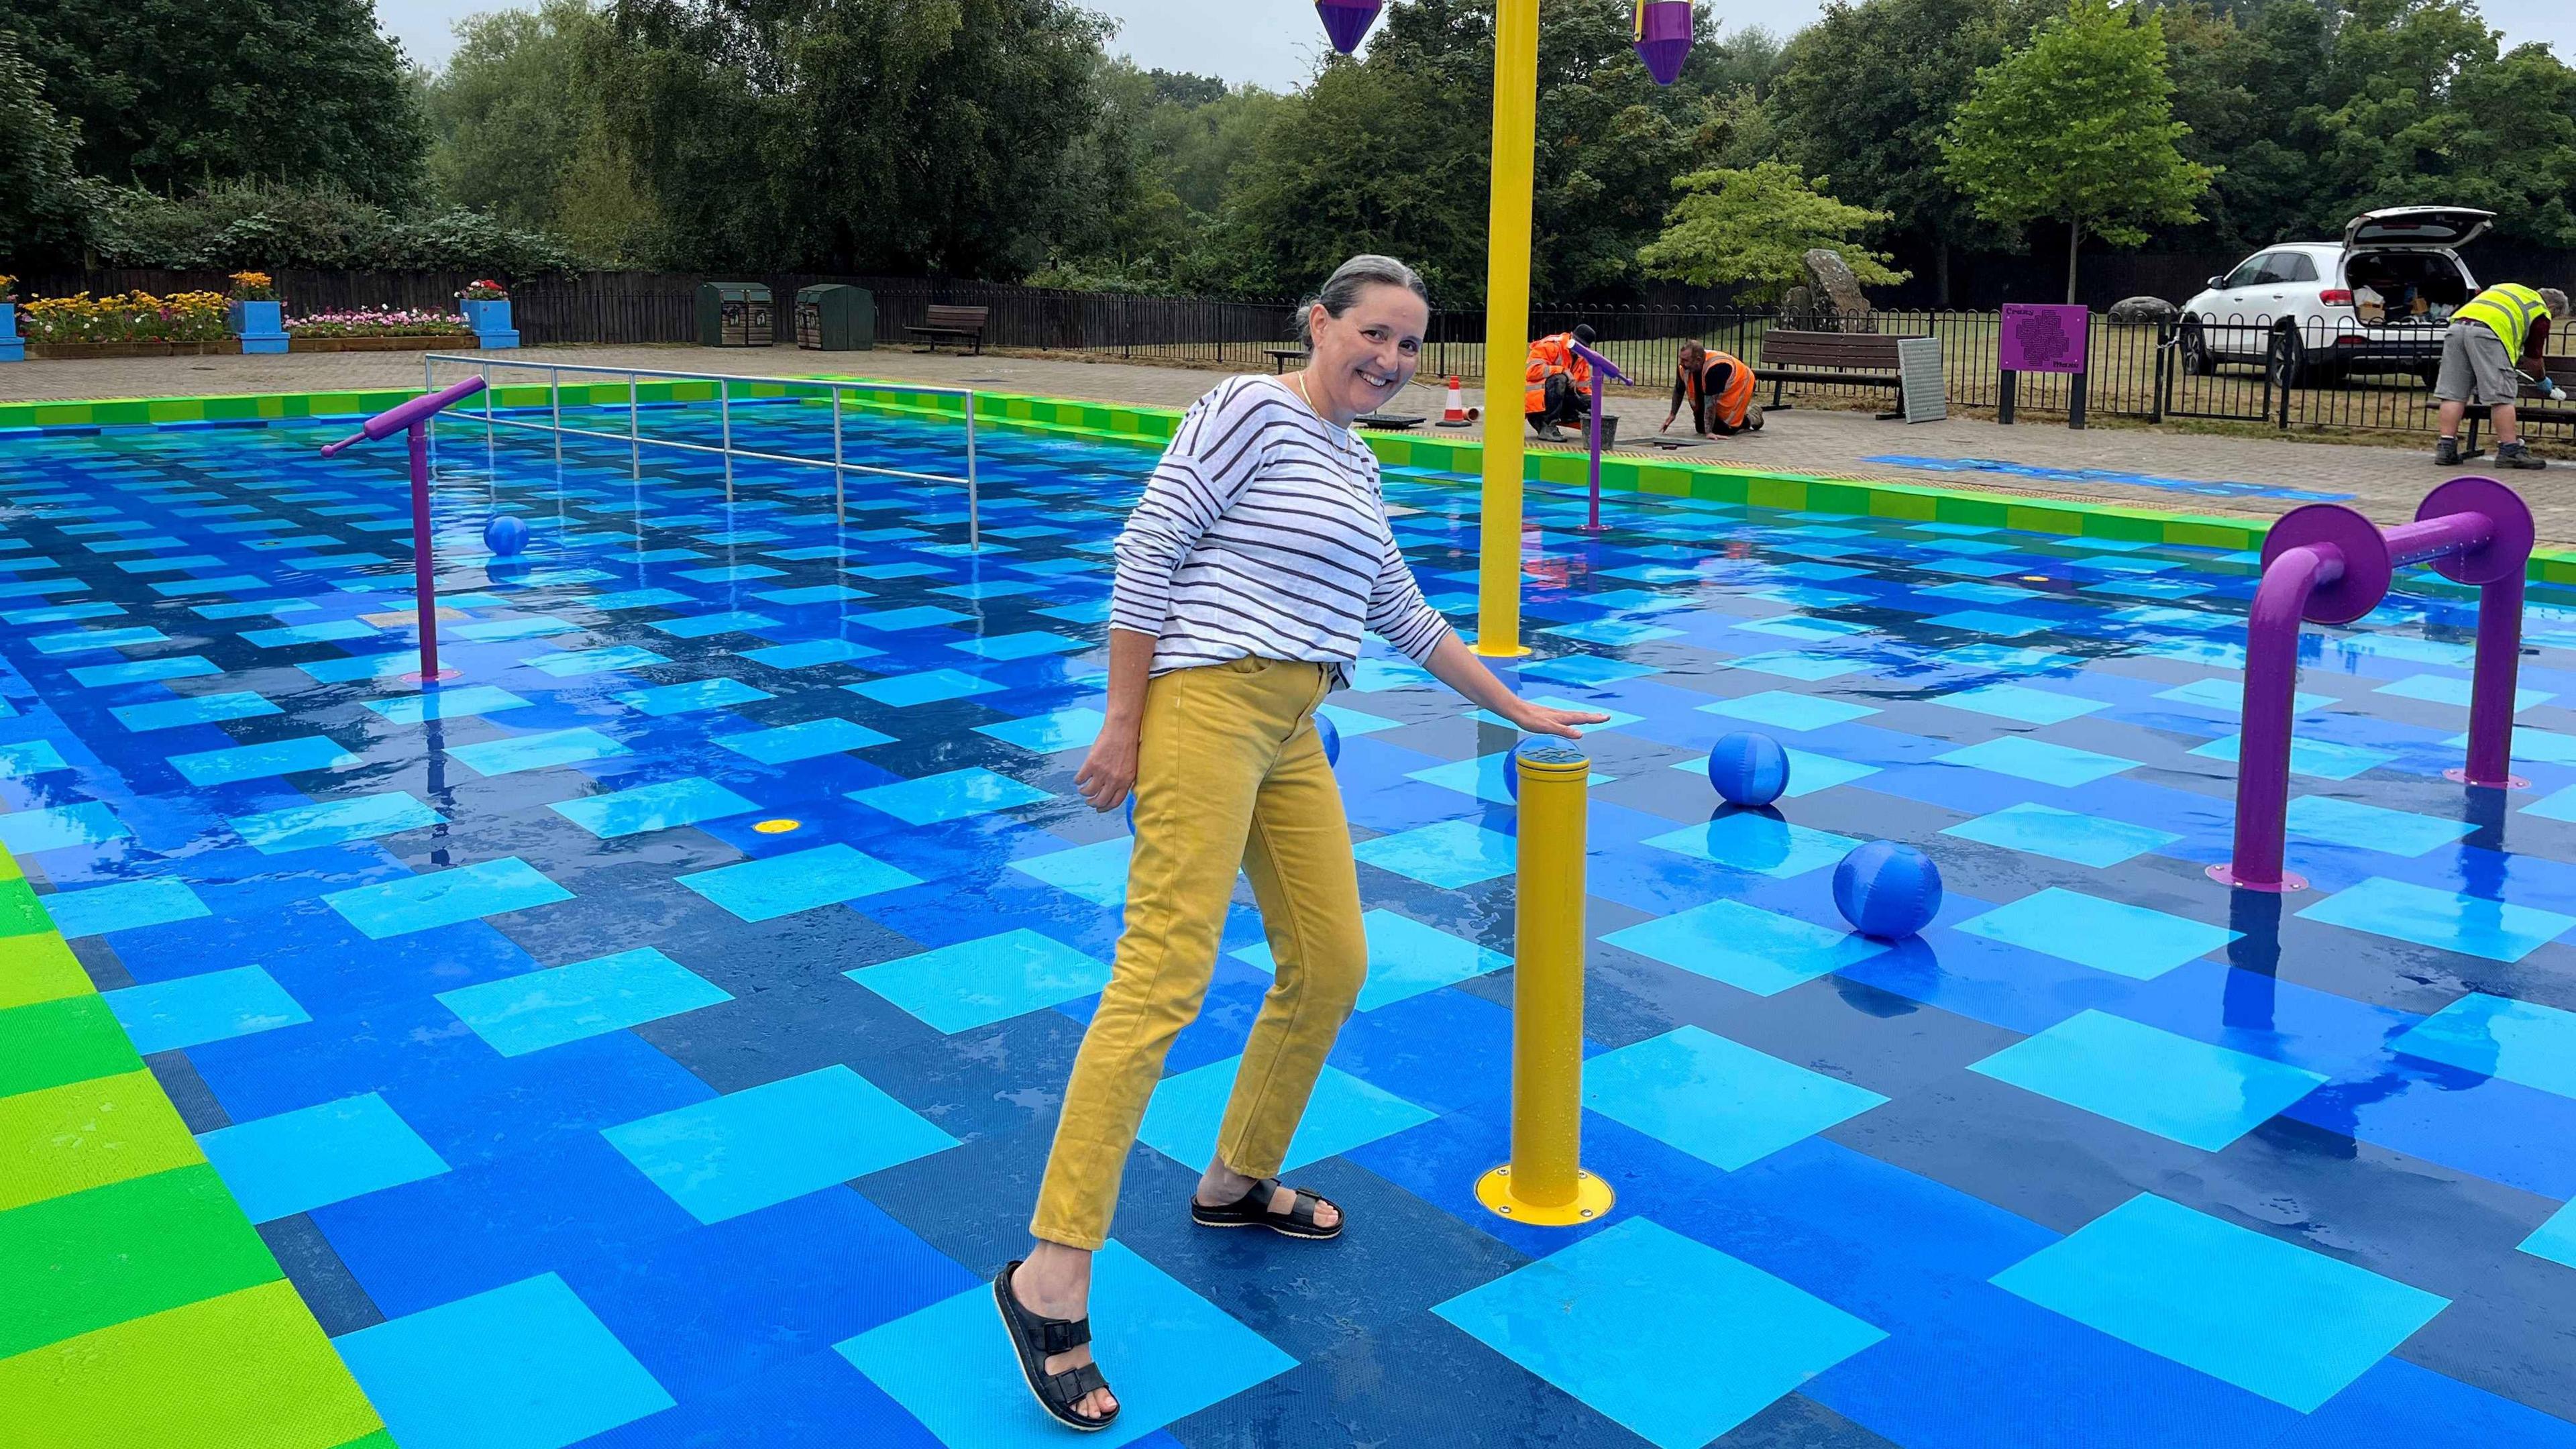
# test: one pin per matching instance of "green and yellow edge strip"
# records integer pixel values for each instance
(1140, 424)
(138, 1306)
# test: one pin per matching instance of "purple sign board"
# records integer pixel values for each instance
(2044, 337)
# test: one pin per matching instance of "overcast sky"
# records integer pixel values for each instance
(1276, 42)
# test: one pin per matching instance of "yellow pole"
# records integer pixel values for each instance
(1545, 1183)
(1507, 299)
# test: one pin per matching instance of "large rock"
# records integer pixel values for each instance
(2141, 311)
(1798, 309)
(1837, 293)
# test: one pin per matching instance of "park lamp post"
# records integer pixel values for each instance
(1663, 43)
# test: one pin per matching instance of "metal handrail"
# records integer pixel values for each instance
(635, 439)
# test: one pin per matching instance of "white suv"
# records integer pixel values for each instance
(2377, 302)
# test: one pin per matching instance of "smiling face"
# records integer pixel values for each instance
(1364, 357)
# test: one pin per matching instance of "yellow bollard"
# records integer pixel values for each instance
(1545, 1183)
(1507, 300)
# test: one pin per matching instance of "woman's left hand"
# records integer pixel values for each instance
(1540, 719)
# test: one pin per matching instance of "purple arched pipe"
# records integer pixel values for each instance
(2329, 565)
(413, 417)
(1604, 372)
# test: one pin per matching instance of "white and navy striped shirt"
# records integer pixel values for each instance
(1262, 532)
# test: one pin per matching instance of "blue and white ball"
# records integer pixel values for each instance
(505, 535)
(1748, 769)
(1332, 734)
(1887, 890)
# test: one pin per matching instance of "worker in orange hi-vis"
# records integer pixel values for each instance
(1718, 388)
(1557, 384)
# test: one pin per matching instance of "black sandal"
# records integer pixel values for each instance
(1252, 1210)
(1037, 1339)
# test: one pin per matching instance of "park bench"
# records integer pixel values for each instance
(1867, 359)
(1280, 357)
(2526, 413)
(953, 324)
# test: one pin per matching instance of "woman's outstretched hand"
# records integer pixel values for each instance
(1540, 719)
(1109, 771)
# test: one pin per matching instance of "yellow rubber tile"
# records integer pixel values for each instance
(88, 1134)
(245, 1369)
(37, 968)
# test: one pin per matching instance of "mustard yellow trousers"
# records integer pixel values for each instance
(1230, 774)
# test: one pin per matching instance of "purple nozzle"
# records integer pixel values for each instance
(1348, 21)
(1663, 37)
(393, 420)
(1609, 370)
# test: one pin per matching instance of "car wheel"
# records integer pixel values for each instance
(2290, 366)
(2195, 350)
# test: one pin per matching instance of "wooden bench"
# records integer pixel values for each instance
(1864, 358)
(953, 324)
(2526, 413)
(1280, 357)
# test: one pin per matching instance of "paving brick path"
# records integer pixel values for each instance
(2386, 481)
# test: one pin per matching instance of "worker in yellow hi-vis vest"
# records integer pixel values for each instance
(2500, 330)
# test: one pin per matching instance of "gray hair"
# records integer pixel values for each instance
(1347, 282)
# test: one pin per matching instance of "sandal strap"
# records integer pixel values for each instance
(1060, 1335)
(1301, 1207)
(1067, 1388)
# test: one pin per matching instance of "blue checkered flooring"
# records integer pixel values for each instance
(653, 1037)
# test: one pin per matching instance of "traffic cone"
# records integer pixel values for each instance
(1458, 414)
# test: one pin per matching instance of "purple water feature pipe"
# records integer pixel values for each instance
(1663, 37)
(1348, 21)
(2327, 564)
(1604, 372)
(413, 417)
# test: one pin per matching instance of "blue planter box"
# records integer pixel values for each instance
(491, 323)
(258, 326)
(13, 348)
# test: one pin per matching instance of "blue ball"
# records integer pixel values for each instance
(1131, 812)
(1748, 768)
(1887, 890)
(1332, 738)
(505, 534)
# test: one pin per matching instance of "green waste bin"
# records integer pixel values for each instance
(733, 314)
(836, 318)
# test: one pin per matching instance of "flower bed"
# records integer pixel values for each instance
(377, 329)
(379, 322)
(133, 324)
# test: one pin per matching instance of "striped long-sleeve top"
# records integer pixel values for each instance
(1262, 532)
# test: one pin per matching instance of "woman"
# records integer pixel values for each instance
(1719, 388)
(1258, 554)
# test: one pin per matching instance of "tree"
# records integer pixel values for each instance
(177, 93)
(44, 207)
(857, 135)
(2077, 126)
(1392, 154)
(1863, 98)
(1752, 229)
(522, 130)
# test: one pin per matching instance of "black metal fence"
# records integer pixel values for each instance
(2328, 374)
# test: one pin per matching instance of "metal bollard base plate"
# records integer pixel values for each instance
(1592, 1201)
(2225, 874)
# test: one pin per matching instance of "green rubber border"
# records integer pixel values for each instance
(1153, 426)
(137, 1303)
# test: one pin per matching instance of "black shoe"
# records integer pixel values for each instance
(2446, 453)
(2515, 455)
(1036, 1339)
